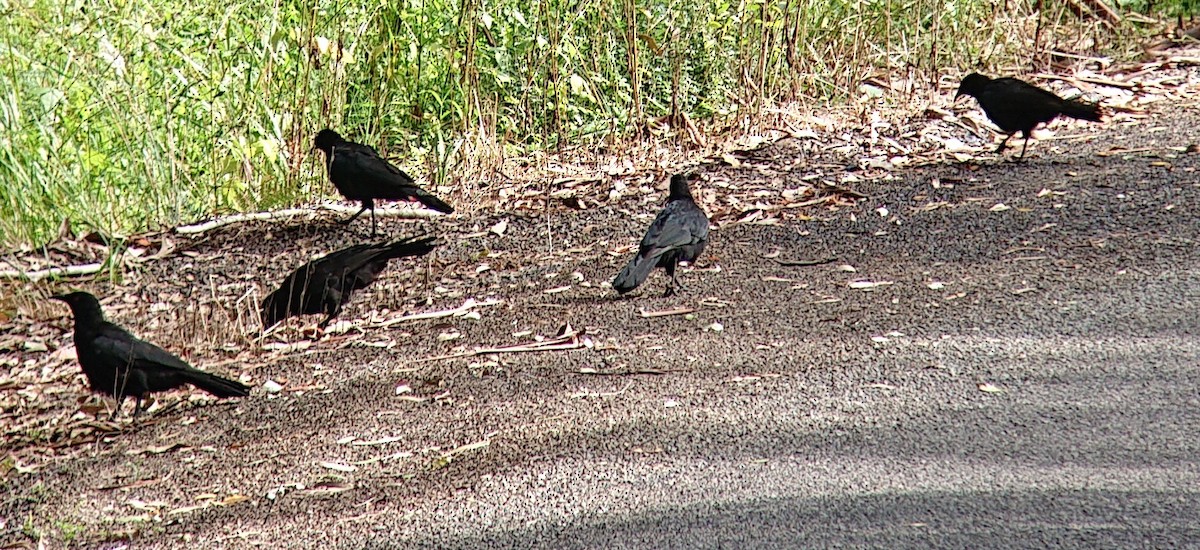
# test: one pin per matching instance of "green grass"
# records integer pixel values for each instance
(130, 115)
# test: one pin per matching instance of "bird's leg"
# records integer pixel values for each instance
(333, 306)
(357, 214)
(1003, 144)
(674, 283)
(117, 409)
(372, 220)
(138, 409)
(1024, 146)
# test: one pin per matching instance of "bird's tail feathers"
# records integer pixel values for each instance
(634, 273)
(432, 202)
(1081, 110)
(410, 191)
(220, 387)
(412, 246)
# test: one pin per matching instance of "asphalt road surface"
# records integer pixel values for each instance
(1024, 375)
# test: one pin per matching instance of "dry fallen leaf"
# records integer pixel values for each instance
(499, 228)
(338, 466)
(990, 388)
(34, 346)
(234, 499)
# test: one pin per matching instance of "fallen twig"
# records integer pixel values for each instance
(1090, 80)
(586, 393)
(456, 312)
(844, 190)
(310, 213)
(37, 275)
(664, 313)
(595, 372)
(1123, 151)
(569, 340)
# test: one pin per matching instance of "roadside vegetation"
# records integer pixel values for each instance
(127, 116)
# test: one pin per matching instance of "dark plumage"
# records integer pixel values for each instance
(360, 174)
(118, 364)
(678, 234)
(324, 285)
(1016, 106)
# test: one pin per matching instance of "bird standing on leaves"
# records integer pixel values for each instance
(678, 234)
(1016, 106)
(118, 364)
(360, 174)
(324, 285)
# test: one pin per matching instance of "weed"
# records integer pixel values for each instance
(129, 116)
(69, 532)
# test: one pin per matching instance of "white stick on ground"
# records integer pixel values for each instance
(289, 213)
(69, 271)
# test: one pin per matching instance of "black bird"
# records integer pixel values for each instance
(118, 364)
(324, 285)
(678, 234)
(360, 174)
(1017, 106)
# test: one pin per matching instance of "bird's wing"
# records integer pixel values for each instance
(674, 227)
(341, 271)
(360, 164)
(347, 259)
(121, 348)
(1012, 103)
(697, 222)
(1023, 90)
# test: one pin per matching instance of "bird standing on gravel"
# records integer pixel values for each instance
(1016, 106)
(118, 364)
(324, 285)
(678, 234)
(360, 174)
